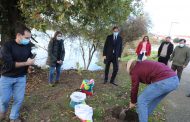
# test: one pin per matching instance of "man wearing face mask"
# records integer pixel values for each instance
(16, 55)
(165, 50)
(180, 57)
(112, 53)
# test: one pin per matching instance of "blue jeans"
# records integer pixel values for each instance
(52, 71)
(140, 56)
(12, 87)
(153, 94)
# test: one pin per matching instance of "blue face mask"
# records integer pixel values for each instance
(24, 41)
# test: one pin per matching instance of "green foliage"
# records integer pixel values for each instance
(134, 28)
(127, 58)
(153, 57)
(91, 20)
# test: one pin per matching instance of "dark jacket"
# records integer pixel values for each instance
(169, 51)
(111, 46)
(56, 52)
(12, 53)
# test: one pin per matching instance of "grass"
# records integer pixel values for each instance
(51, 104)
(153, 57)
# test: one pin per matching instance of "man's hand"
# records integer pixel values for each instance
(31, 69)
(119, 59)
(104, 57)
(132, 105)
(184, 66)
(30, 61)
(60, 62)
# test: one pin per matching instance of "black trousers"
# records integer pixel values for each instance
(163, 60)
(107, 62)
(179, 70)
(140, 56)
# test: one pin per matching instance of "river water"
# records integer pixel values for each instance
(73, 53)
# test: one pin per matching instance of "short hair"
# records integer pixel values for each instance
(115, 27)
(182, 40)
(20, 28)
(168, 37)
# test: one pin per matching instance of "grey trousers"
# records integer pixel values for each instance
(179, 70)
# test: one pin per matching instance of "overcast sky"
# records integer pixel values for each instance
(165, 12)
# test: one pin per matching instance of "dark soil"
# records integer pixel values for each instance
(113, 115)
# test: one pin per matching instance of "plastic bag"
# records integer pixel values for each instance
(84, 112)
(77, 98)
(87, 87)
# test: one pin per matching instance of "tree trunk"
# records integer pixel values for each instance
(10, 15)
(91, 54)
(83, 54)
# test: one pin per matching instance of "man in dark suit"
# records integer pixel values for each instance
(165, 50)
(112, 53)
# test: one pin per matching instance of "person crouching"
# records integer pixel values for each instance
(161, 81)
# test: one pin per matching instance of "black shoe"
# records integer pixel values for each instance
(114, 83)
(188, 95)
(105, 81)
(57, 82)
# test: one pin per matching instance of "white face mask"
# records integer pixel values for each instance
(59, 38)
(181, 45)
(115, 33)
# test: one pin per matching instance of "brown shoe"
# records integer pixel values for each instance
(15, 120)
(57, 82)
(2, 116)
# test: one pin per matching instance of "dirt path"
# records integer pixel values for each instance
(177, 104)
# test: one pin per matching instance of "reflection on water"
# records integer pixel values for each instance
(73, 53)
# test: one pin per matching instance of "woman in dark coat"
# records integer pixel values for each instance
(56, 54)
